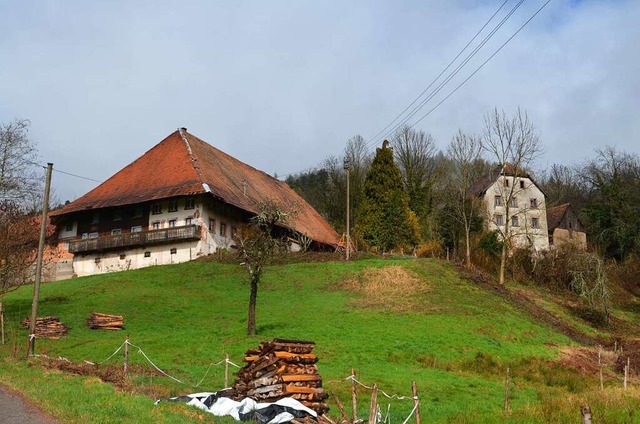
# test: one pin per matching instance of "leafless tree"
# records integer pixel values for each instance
(20, 176)
(465, 169)
(256, 246)
(415, 154)
(514, 144)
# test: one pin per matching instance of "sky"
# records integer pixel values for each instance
(281, 85)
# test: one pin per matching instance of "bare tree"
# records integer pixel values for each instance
(514, 144)
(415, 154)
(20, 177)
(465, 169)
(256, 246)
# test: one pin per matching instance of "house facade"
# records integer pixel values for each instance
(514, 207)
(565, 227)
(181, 200)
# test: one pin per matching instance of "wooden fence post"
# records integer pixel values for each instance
(354, 396)
(340, 407)
(506, 391)
(2, 322)
(416, 401)
(126, 356)
(226, 370)
(585, 411)
(626, 372)
(600, 365)
(373, 409)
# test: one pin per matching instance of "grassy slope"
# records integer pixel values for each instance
(187, 316)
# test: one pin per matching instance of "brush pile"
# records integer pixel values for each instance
(279, 369)
(105, 322)
(47, 327)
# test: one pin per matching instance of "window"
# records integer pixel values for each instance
(156, 209)
(533, 203)
(155, 225)
(223, 229)
(136, 229)
(173, 205)
(97, 260)
(147, 254)
(116, 231)
(499, 220)
(513, 202)
(94, 235)
(189, 203)
(137, 212)
(212, 225)
(188, 221)
(85, 236)
(535, 222)
(497, 201)
(173, 250)
(234, 231)
(506, 182)
(521, 183)
(514, 221)
(68, 226)
(172, 222)
(122, 257)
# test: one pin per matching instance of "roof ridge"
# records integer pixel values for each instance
(194, 159)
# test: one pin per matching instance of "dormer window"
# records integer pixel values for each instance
(506, 182)
(521, 183)
(189, 203)
(156, 209)
(173, 205)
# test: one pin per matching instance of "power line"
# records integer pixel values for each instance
(443, 71)
(64, 172)
(453, 73)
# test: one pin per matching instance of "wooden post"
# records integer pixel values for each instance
(626, 372)
(2, 322)
(340, 406)
(600, 365)
(585, 411)
(506, 391)
(374, 404)
(354, 396)
(126, 356)
(416, 401)
(226, 370)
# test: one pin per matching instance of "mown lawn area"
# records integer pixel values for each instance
(455, 340)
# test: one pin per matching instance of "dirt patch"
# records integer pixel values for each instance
(392, 287)
(586, 360)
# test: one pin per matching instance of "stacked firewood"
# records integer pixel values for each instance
(279, 369)
(105, 321)
(47, 327)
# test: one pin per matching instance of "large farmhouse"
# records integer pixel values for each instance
(180, 200)
(514, 206)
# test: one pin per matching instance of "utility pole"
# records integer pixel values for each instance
(36, 286)
(347, 165)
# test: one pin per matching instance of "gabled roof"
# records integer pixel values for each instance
(184, 165)
(480, 187)
(556, 214)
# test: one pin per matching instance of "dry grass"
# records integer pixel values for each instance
(392, 287)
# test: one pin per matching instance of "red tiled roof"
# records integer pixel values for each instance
(183, 165)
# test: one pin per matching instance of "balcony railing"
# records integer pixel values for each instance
(142, 238)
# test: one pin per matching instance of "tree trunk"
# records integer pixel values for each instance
(2, 322)
(253, 297)
(468, 246)
(503, 263)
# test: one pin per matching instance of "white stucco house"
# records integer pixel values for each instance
(180, 200)
(514, 206)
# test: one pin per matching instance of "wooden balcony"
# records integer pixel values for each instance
(142, 238)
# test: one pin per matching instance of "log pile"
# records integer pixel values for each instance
(105, 321)
(47, 327)
(279, 369)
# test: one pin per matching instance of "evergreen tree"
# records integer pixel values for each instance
(386, 222)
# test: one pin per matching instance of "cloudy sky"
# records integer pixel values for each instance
(283, 84)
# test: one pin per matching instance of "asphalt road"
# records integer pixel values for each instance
(15, 409)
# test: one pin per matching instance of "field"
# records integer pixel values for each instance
(393, 321)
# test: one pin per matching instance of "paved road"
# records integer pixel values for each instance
(15, 409)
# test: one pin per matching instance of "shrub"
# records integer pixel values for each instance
(430, 249)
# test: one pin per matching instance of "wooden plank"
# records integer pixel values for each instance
(301, 377)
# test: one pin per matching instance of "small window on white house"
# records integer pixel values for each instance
(147, 254)
(514, 202)
(94, 235)
(499, 220)
(173, 205)
(189, 203)
(521, 183)
(97, 260)
(506, 182)
(155, 225)
(68, 226)
(172, 222)
(174, 251)
(223, 229)
(212, 225)
(156, 209)
(514, 221)
(234, 231)
(188, 221)
(533, 203)
(497, 201)
(116, 231)
(122, 256)
(535, 223)
(136, 229)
